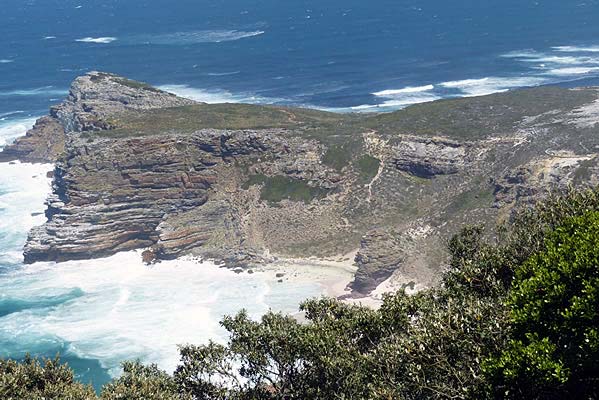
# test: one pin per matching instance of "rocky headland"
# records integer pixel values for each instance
(137, 167)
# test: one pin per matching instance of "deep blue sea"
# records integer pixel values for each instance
(339, 55)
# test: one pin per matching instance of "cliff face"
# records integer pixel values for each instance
(92, 101)
(140, 168)
(42, 143)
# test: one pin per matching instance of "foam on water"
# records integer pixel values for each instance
(23, 189)
(41, 91)
(222, 73)
(11, 129)
(394, 99)
(5, 61)
(570, 71)
(391, 105)
(489, 85)
(116, 308)
(534, 56)
(215, 96)
(100, 40)
(550, 66)
(6, 114)
(409, 89)
(194, 37)
(577, 49)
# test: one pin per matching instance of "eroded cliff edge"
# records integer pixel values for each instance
(140, 168)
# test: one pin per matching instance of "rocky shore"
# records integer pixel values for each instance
(137, 167)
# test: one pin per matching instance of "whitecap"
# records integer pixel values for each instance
(124, 302)
(116, 308)
(572, 71)
(535, 56)
(23, 189)
(392, 105)
(577, 49)
(41, 91)
(215, 96)
(489, 85)
(409, 89)
(6, 114)
(396, 99)
(49, 37)
(521, 54)
(12, 129)
(221, 73)
(194, 37)
(103, 40)
(564, 60)
(5, 61)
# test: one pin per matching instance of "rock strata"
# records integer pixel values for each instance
(137, 167)
(43, 143)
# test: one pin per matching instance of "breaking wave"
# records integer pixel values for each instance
(406, 90)
(561, 62)
(489, 85)
(103, 40)
(116, 308)
(215, 96)
(41, 91)
(194, 37)
(544, 67)
(222, 73)
(570, 71)
(577, 49)
(13, 128)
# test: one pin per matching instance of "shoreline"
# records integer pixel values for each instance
(332, 274)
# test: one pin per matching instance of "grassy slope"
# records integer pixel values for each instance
(465, 118)
(477, 117)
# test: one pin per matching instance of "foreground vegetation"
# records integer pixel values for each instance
(516, 317)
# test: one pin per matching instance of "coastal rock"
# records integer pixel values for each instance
(97, 97)
(427, 157)
(242, 184)
(43, 143)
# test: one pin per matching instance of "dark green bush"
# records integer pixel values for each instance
(142, 382)
(554, 308)
(47, 379)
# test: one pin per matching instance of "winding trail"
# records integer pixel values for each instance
(376, 178)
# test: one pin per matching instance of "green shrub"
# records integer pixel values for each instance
(368, 167)
(554, 308)
(142, 382)
(279, 187)
(33, 379)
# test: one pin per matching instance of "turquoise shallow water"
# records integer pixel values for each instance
(98, 313)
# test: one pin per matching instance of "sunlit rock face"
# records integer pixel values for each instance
(137, 167)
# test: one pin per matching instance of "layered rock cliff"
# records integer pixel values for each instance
(141, 168)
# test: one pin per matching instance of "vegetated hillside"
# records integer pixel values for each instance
(141, 168)
(516, 317)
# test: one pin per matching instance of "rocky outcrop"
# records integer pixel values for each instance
(141, 168)
(43, 143)
(93, 100)
(98, 97)
(427, 157)
(112, 195)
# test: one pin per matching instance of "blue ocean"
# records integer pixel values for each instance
(343, 56)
